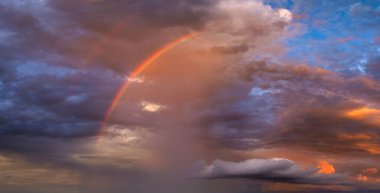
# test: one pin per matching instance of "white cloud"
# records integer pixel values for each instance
(236, 23)
(285, 14)
(138, 79)
(151, 107)
(275, 169)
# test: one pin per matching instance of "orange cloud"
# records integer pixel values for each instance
(369, 147)
(370, 171)
(362, 178)
(370, 114)
(325, 168)
(356, 136)
(366, 179)
(365, 175)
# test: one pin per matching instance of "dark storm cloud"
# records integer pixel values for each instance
(53, 105)
(31, 33)
(78, 33)
(121, 38)
(159, 13)
(62, 62)
(66, 101)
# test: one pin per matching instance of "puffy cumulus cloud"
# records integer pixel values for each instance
(276, 169)
(243, 26)
(247, 18)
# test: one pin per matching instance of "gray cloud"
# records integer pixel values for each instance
(276, 169)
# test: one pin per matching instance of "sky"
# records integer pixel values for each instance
(195, 96)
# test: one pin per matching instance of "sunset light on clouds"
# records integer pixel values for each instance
(325, 168)
(195, 96)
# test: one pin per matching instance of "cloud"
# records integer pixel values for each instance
(325, 168)
(229, 90)
(276, 169)
(56, 107)
(151, 107)
(370, 171)
(157, 13)
(373, 67)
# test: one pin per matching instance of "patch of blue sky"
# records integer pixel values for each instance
(333, 36)
(287, 4)
(314, 34)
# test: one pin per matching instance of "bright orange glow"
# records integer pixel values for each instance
(325, 168)
(140, 68)
(362, 112)
(371, 115)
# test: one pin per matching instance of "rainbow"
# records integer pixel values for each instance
(139, 69)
